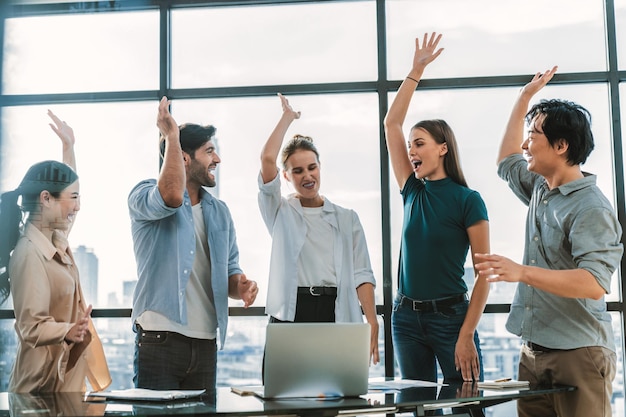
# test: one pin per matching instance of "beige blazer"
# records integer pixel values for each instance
(48, 300)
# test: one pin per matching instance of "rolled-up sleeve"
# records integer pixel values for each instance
(595, 239)
(145, 202)
(269, 200)
(514, 170)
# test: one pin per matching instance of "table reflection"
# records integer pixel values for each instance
(53, 404)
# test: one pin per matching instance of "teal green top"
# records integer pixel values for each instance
(434, 237)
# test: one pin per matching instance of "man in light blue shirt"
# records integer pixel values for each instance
(187, 263)
(572, 249)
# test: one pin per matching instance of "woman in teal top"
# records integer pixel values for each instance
(433, 320)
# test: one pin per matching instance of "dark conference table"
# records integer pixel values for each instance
(467, 400)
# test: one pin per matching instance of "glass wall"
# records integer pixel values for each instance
(277, 44)
(102, 67)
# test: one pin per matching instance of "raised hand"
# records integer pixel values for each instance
(427, 52)
(287, 109)
(165, 122)
(66, 134)
(62, 129)
(539, 81)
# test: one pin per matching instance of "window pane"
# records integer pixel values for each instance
(116, 147)
(478, 134)
(261, 45)
(81, 52)
(485, 38)
(617, 403)
(344, 128)
(620, 27)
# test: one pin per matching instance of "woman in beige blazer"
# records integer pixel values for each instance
(58, 346)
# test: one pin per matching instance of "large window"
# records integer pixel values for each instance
(70, 53)
(494, 38)
(102, 67)
(278, 44)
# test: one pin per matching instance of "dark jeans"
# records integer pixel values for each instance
(421, 339)
(168, 360)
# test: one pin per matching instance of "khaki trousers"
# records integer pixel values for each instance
(590, 369)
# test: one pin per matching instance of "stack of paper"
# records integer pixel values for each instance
(142, 394)
(504, 384)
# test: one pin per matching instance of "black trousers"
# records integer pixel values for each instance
(309, 309)
(313, 309)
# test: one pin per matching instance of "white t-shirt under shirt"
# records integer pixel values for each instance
(316, 265)
(201, 317)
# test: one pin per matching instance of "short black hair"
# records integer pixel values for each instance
(568, 121)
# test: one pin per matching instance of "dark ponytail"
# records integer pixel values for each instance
(10, 219)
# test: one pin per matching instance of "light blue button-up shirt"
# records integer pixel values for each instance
(165, 245)
(572, 226)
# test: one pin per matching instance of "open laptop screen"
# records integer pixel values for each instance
(316, 359)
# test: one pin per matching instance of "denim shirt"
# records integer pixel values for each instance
(570, 227)
(165, 245)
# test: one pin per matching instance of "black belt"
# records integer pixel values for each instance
(538, 348)
(318, 291)
(432, 305)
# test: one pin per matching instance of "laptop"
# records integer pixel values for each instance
(322, 360)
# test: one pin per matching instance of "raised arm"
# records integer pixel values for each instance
(66, 134)
(172, 178)
(269, 153)
(396, 142)
(514, 132)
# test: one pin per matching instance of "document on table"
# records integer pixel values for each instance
(504, 384)
(143, 394)
(380, 385)
(248, 390)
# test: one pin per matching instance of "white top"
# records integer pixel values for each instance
(315, 263)
(284, 219)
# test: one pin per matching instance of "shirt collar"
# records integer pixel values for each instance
(587, 181)
(49, 248)
(327, 207)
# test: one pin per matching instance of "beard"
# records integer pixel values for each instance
(200, 175)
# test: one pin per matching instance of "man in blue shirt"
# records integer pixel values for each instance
(572, 250)
(187, 263)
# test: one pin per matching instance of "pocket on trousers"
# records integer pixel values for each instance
(604, 361)
(458, 310)
(152, 338)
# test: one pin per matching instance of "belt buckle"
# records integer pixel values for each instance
(312, 291)
(416, 305)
